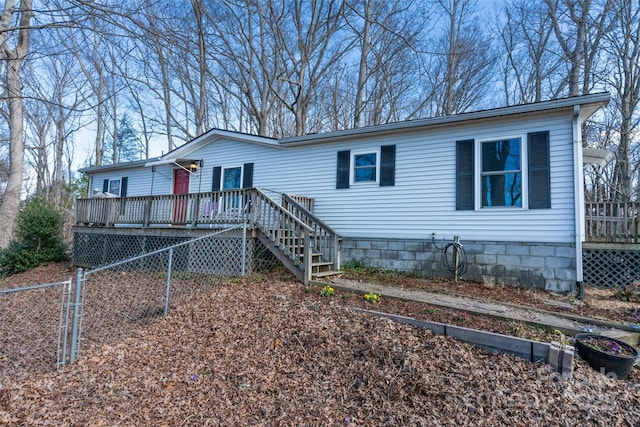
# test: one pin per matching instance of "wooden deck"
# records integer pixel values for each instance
(288, 227)
(605, 222)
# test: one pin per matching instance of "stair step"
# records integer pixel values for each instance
(326, 273)
(321, 263)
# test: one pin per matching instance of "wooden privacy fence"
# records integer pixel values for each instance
(615, 222)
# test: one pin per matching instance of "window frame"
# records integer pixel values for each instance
(222, 180)
(524, 172)
(111, 182)
(352, 168)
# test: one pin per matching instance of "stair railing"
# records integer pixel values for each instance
(289, 233)
(323, 238)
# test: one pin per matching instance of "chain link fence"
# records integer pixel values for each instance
(121, 299)
(34, 322)
(47, 325)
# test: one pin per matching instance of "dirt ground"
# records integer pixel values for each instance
(265, 350)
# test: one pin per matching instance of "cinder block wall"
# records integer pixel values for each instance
(548, 266)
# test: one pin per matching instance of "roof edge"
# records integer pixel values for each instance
(117, 166)
(597, 100)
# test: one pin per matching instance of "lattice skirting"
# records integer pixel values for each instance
(610, 267)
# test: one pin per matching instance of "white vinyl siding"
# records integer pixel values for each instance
(423, 199)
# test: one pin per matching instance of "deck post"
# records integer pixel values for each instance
(307, 257)
(146, 216)
(195, 210)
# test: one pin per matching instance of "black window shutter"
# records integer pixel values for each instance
(217, 172)
(539, 170)
(465, 175)
(247, 175)
(342, 175)
(105, 186)
(387, 165)
(123, 186)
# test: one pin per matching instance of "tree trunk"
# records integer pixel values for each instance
(10, 204)
(11, 198)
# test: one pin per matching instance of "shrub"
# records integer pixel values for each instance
(39, 238)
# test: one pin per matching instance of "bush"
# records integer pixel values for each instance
(39, 239)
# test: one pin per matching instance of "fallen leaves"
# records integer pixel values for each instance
(235, 355)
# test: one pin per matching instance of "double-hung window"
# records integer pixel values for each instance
(365, 167)
(373, 166)
(501, 173)
(510, 172)
(117, 187)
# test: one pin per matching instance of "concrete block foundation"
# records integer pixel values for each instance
(548, 266)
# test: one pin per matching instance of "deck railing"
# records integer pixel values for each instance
(290, 225)
(230, 206)
(325, 239)
(614, 222)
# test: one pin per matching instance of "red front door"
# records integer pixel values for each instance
(180, 186)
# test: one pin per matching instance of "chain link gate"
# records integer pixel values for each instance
(34, 327)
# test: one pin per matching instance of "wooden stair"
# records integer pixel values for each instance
(286, 232)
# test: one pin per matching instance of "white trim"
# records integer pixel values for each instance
(223, 168)
(579, 188)
(352, 167)
(119, 186)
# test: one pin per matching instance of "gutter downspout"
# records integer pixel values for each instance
(579, 197)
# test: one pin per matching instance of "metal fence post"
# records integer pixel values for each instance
(167, 287)
(77, 312)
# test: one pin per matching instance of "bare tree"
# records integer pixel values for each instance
(623, 48)
(306, 40)
(14, 45)
(531, 68)
(386, 35)
(459, 73)
(579, 26)
(246, 57)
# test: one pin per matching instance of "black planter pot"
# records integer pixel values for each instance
(604, 362)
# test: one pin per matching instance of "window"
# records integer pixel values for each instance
(509, 172)
(114, 187)
(501, 176)
(375, 166)
(231, 178)
(365, 167)
(117, 187)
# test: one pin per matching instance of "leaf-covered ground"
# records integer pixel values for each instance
(263, 351)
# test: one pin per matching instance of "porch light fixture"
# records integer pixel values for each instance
(195, 165)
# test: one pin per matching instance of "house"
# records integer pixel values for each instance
(507, 182)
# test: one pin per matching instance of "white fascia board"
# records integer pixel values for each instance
(117, 166)
(213, 135)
